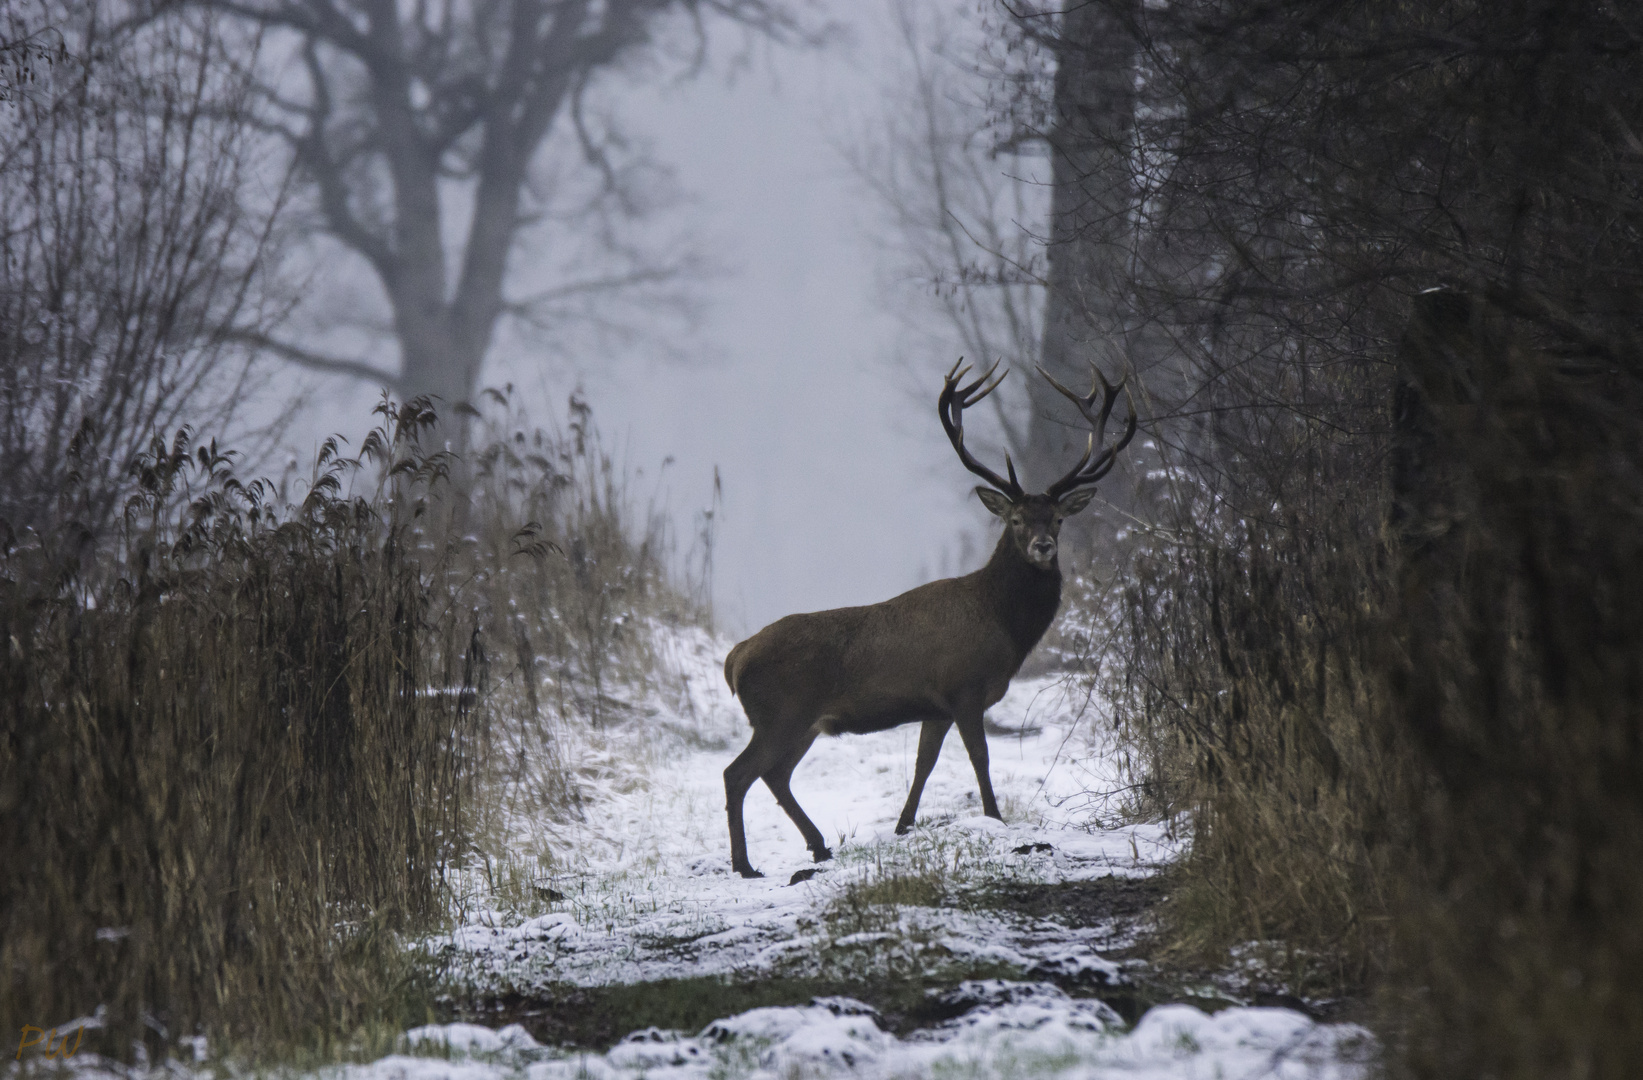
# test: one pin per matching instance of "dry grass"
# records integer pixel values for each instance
(1403, 718)
(927, 868)
(228, 731)
(1249, 698)
(572, 622)
(251, 741)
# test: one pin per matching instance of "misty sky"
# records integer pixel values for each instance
(839, 486)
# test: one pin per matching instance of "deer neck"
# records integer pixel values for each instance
(1025, 597)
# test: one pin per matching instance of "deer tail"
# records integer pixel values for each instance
(734, 662)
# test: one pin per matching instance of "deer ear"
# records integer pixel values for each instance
(1073, 502)
(996, 501)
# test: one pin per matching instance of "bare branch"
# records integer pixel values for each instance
(523, 306)
(312, 18)
(330, 365)
(314, 156)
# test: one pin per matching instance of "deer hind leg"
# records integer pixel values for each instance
(777, 781)
(739, 776)
(930, 738)
(975, 741)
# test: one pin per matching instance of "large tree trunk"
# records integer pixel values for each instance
(437, 364)
(444, 331)
(1088, 314)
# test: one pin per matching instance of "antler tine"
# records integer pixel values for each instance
(1087, 471)
(950, 406)
(1102, 388)
(966, 394)
(1109, 457)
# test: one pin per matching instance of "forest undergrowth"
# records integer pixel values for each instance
(1389, 686)
(251, 736)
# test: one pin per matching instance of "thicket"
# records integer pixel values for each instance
(135, 237)
(1375, 633)
(229, 730)
(248, 736)
(1517, 680)
(254, 731)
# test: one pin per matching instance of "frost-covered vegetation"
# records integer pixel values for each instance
(572, 877)
(407, 761)
(263, 728)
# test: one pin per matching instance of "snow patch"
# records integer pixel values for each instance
(644, 891)
(1007, 1029)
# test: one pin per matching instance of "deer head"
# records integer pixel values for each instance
(1034, 522)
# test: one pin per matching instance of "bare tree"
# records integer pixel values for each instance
(416, 130)
(961, 210)
(1089, 312)
(129, 242)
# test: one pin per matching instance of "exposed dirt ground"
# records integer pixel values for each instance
(597, 1017)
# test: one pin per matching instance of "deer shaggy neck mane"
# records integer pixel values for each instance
(1025, 597)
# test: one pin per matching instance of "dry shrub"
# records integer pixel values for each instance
(137, 225)
(1246, 694)
(1518, 676)
(1402, 716)
(1243, 629)
(237, 743)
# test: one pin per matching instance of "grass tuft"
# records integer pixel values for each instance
(231, 729)
(264, 734)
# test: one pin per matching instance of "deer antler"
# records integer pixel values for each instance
(951, 404)
(1088, 471)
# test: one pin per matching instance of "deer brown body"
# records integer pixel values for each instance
(938, 655)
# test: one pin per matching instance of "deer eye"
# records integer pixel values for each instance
(1015, 520)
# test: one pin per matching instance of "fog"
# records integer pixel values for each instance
(838, 485)
(1330, 705)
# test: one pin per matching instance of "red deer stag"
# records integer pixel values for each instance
(940, 654)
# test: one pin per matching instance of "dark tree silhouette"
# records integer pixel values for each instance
(1088, 314)
(1385, 641)
(416, 116)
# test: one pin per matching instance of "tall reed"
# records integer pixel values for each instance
(238, 744)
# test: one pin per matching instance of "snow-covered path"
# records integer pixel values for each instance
(649, 889)
(641, 890)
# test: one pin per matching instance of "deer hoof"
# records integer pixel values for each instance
(902, 827)
(821, 854)
(748, 872)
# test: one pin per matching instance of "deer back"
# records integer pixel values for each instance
(923, 653)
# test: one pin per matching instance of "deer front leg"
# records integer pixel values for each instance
(975, 741)
(930, 738)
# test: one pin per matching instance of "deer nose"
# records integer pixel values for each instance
(1041, 548)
